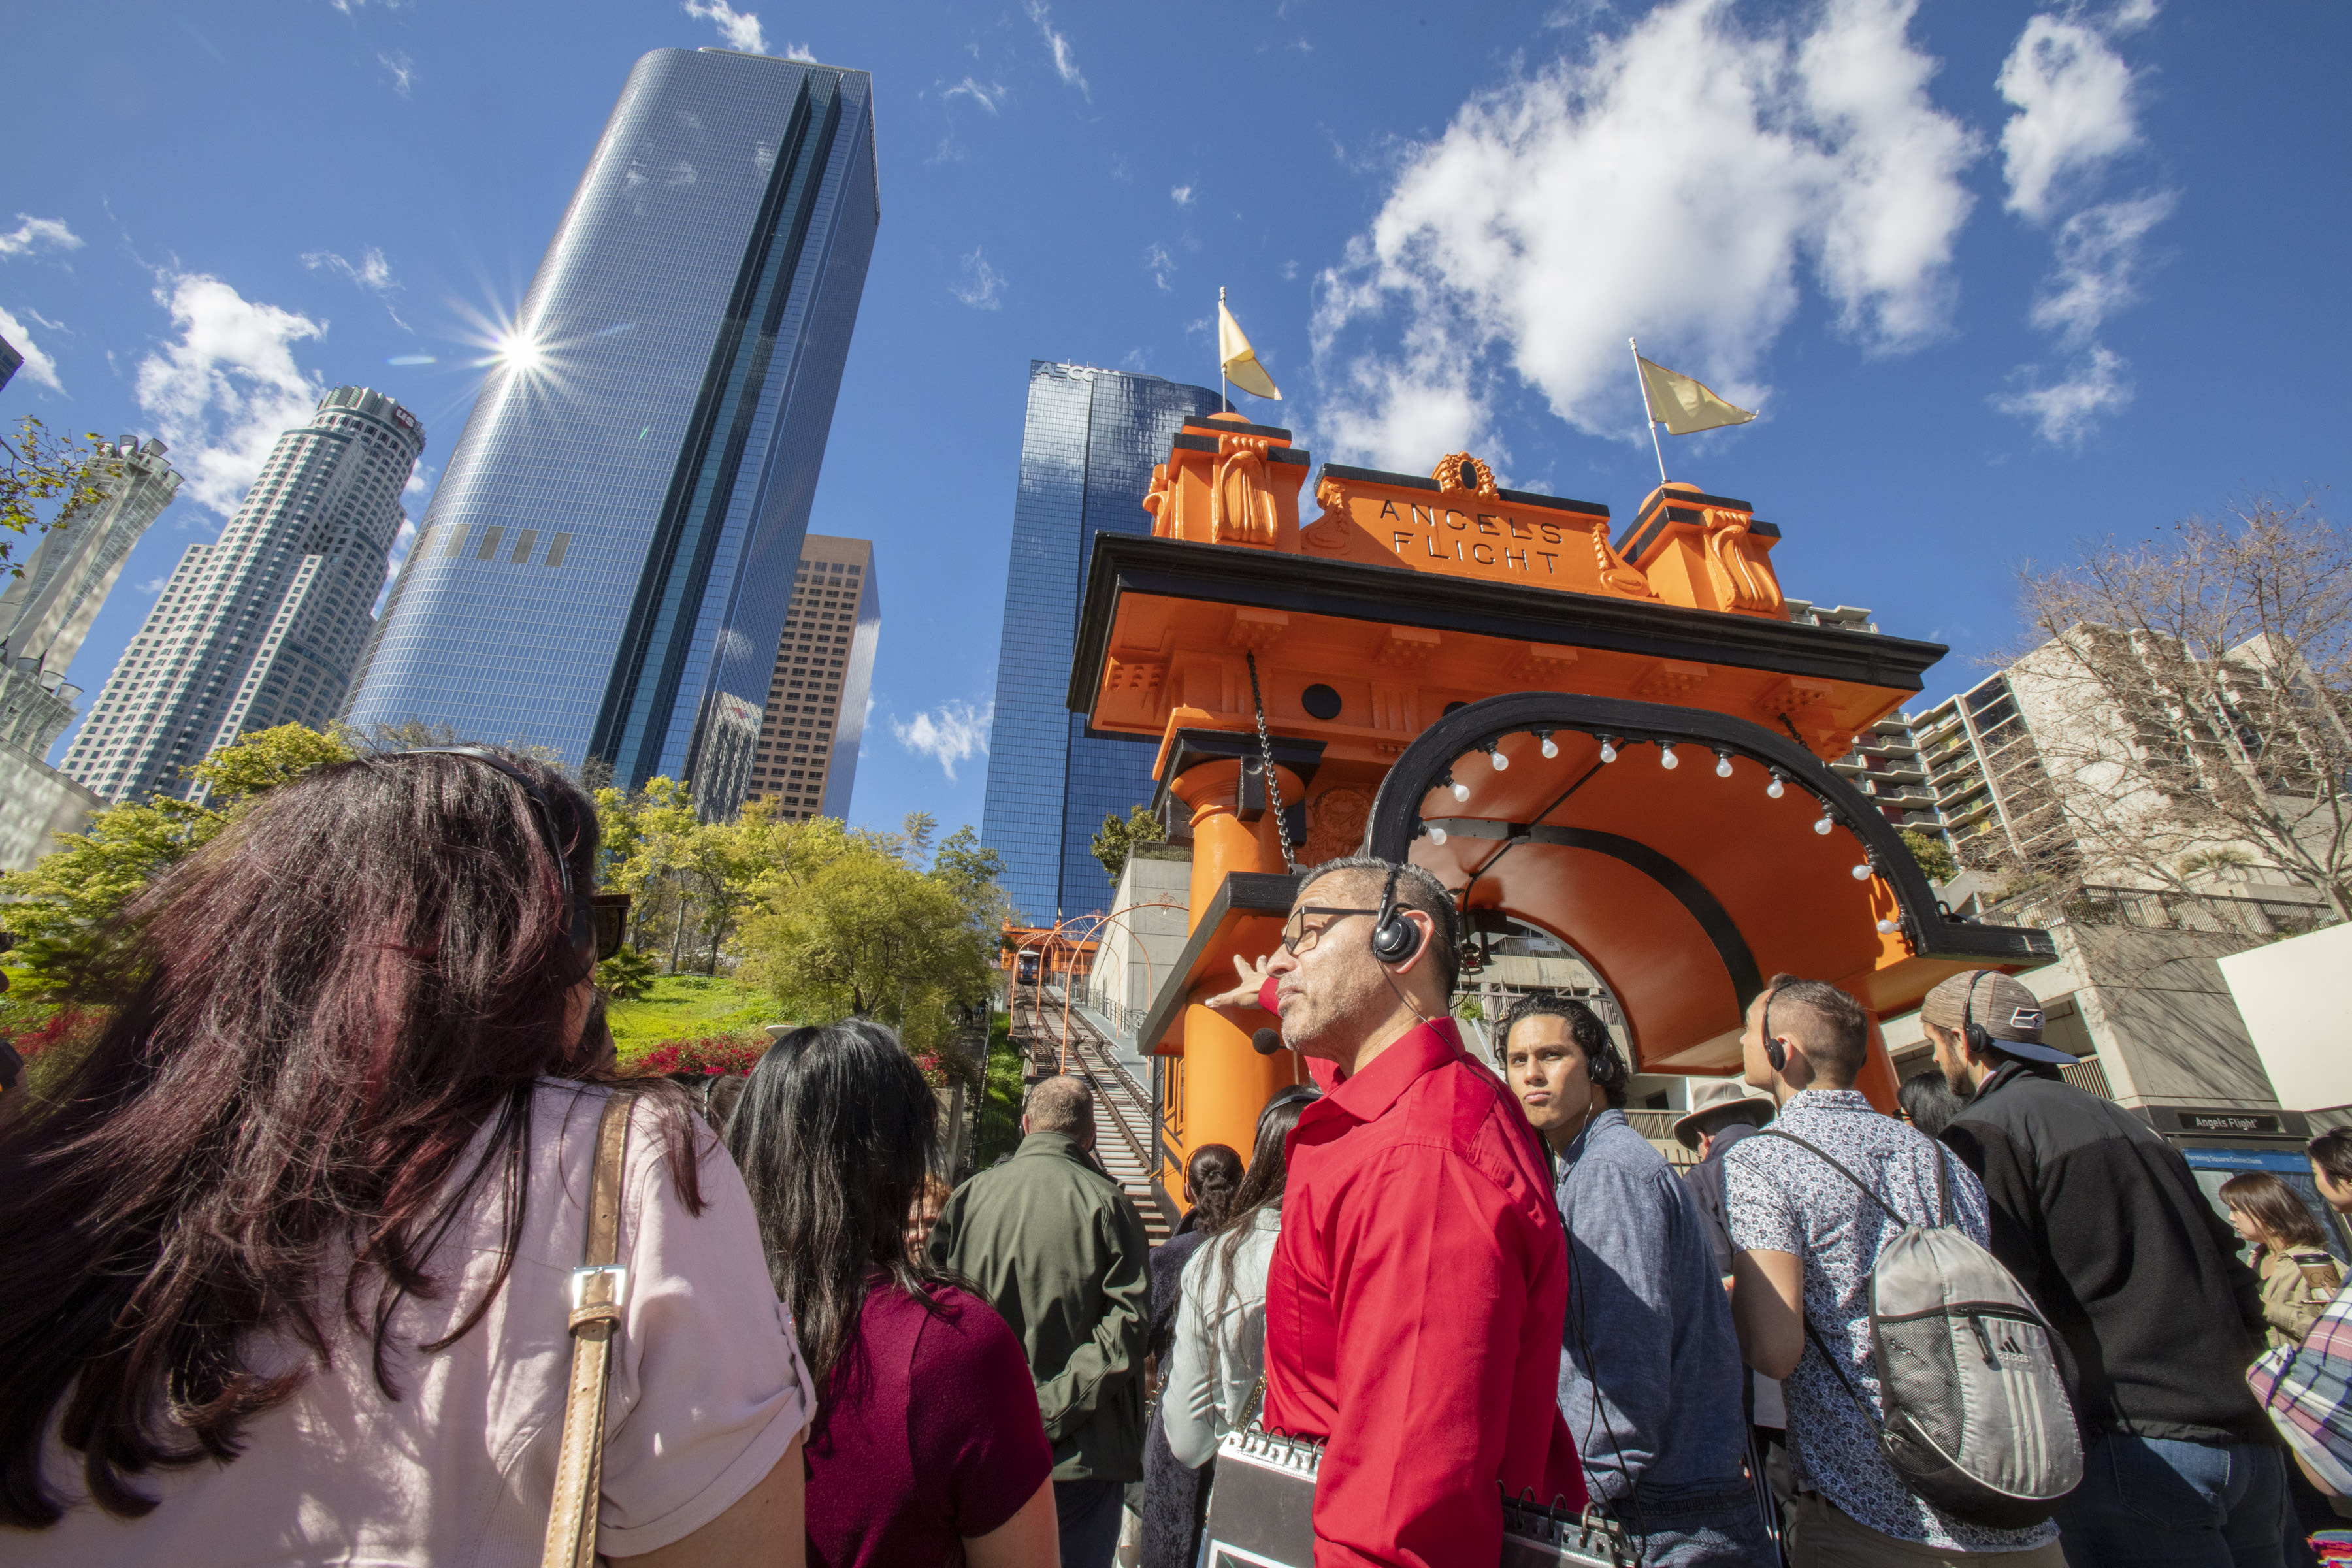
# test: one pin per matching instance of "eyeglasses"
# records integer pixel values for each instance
(1297, 939)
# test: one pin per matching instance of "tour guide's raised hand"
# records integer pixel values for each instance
(1245, 995)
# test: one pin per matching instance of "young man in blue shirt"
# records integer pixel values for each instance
(1650, 1362)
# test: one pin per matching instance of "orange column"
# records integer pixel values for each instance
(1226, 1082)
(1877, 1079)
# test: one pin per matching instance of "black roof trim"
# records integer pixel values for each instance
(1230, 427)
(1263, 579)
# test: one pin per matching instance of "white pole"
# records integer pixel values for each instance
(1646, 409)
(1224, 398)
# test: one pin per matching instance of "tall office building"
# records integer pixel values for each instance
(607, 560)
(1087, 449)
(807, 751)
(262, 626)
(44, 615)
(10, 361)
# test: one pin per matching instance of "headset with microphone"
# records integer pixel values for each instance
(1775, 1052)
(1395, 939)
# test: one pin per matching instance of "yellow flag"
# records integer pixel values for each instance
(1683, 406)
(1238, 359)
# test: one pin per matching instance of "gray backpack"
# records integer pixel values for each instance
(1977, 1421)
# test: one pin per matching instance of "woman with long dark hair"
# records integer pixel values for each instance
(292, 1252)
(835, 1134)
(1212, 1377)
(1170, 1515)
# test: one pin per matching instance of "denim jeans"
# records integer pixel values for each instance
(2167, 1504)
(1087, 1514)
(1705, 1525)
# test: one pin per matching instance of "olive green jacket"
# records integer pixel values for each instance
(1060, 1252)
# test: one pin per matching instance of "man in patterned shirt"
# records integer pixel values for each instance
(1805, 1242)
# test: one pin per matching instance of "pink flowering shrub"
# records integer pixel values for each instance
(735, 1054)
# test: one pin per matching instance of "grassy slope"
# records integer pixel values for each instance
(689, 1006)
(999, 1110)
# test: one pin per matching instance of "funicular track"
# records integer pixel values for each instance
(1124, 1134)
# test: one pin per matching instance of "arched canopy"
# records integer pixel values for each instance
(1685, 889)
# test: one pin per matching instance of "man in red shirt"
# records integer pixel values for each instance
(1414, 1306)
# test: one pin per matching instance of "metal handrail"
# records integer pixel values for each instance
(1081, 1049)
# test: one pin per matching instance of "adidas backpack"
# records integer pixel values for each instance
(1977, 1421)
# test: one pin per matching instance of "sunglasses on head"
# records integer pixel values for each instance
(601, 918)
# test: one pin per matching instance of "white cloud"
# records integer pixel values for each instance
(400, 69)
(1065, 60)
(739, 29)
(983, 285)
(2074, 115)
(37, 366)
(1716, 160)
(371, 272)
(1181, 196)
(803, 53)
(988, 96)
(1159, 264)
(2075, 112)
(224, 392)
(957, 731)
(33, 233)
(2098, 251)
(2066, 411)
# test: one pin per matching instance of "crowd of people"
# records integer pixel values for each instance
(312, 1242)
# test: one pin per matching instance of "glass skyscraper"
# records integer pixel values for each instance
(1087, 448)
(606, 566)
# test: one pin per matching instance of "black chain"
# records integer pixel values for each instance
(1266, 757)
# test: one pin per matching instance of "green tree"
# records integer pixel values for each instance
(846, 922)
(627, 974)
(1117, 839)
(1934, 856)
(65, 908)
(35, 467)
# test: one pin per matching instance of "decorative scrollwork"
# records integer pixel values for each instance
(1616, 572)
(1739, 578)
(1461, 471)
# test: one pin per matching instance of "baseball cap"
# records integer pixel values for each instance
(2001, 1006)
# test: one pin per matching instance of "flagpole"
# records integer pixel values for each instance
(1224, 398)
(1646, 409)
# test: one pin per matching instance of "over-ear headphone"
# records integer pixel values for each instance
(1774, 1051)
(1394, 938)
(1979, 1038)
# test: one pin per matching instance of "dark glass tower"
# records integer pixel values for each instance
(1087, 449)
(606, 566)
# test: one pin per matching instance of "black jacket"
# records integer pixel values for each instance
(2104, 1225)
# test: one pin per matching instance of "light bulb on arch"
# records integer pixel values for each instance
(1666, 758)
(1608, 751)
(1549, 749)
(1723, 765)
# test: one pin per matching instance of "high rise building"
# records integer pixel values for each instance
(1087, 448)
(10, 361)
(262, 626)
(44, 615)
(605, 565)
(807, 751)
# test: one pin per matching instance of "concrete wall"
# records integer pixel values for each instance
(37, 803)
(1141, 945)
(2155, 1008)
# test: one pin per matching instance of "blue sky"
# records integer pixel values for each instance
(2001, 277)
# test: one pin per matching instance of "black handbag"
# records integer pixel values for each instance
(1262, 1514)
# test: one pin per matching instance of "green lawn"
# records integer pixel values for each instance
(689, 1006)
(1000, 1105)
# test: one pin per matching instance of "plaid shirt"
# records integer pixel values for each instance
(2308, 1389)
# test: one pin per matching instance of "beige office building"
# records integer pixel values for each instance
(806, 759)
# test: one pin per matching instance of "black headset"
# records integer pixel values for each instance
(1774, 1051)
(1979, 1038)
(1394, 938)
(585, 935)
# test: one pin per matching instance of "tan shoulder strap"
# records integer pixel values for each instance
(599, 1286)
